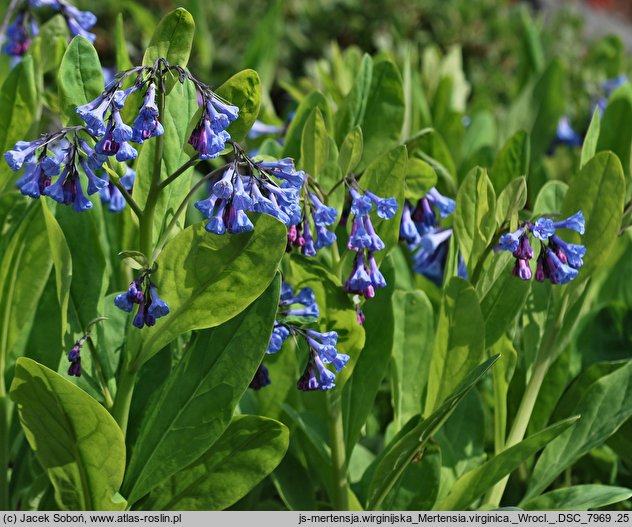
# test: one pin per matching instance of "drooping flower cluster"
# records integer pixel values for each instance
(24, 28)
(299, 234)
(142, 292)
(321, 346)
(74, 357)
(365, 276)
(59, 155)
(421, 230)
(209, 137)
(267, 187)
(558, 260)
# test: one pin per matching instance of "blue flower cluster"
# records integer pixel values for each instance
(321, 346)
(268, 187)
(299, 234)
(74, 357)
(365, 276)
(558, 260)
(421, 231)
(143, 293)
(65, 156)
(209, 136)
(103, 119)
(24, 28)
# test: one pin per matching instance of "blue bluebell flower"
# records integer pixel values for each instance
(224, 187)
(259, 129)
(308, 381)
(361, 204)
(359, 238)
(283, 169)
(551, 267)
(111, 195)
(37, 176)
(321, 213)
(377, 279)
(93, 114)
(376, 242)
(18, 37)
(308, 249)
(359, 282)
(279, 335)
(324, 237)
(565, 134)
(95, 183)
(510, 241)
(443, 204)
(142, 292)
(407, 230)
(67, 190)
(386, 207)
(22, 152)
(217, 224)
(576, 223)
(570, 253)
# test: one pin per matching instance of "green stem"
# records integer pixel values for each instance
(147, 221)
(174, 221)
(123, 399)
(542, 364)
(340, 487)
(99, 371)
(128, 198)
(190, 163)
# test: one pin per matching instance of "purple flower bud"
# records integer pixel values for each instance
(522, 269)
(261, 378)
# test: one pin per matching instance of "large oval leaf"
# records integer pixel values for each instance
(172, 39)
(198, 400)
(207, 279)
(74, 438)
(249, 450)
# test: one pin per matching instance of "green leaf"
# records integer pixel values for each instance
(19, 107)
(615, 133)
(249, 450)
(351, 151)
(420, 178)
(475, 482)
(475, 216)
(577, 498)
(480, 133)
(512, 160)
(134, 259)
(411, 440)
(589, 148)
(198, 269)
(80, 78)
(180, 107)
(243, 90)
(172, 39)
(123, 61)
(598, 191)
(295, 130)
(459, 342)
(62, 260)
(351, 111)
(502, 296)
(418, 488)
(551, 197)
(511, 201)
(383, 115)
(314, 144)
(604, 407)
(25, 264)
(548, 105)
(385, 178)
(196, 404)
(74, 438)
(412, 351)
